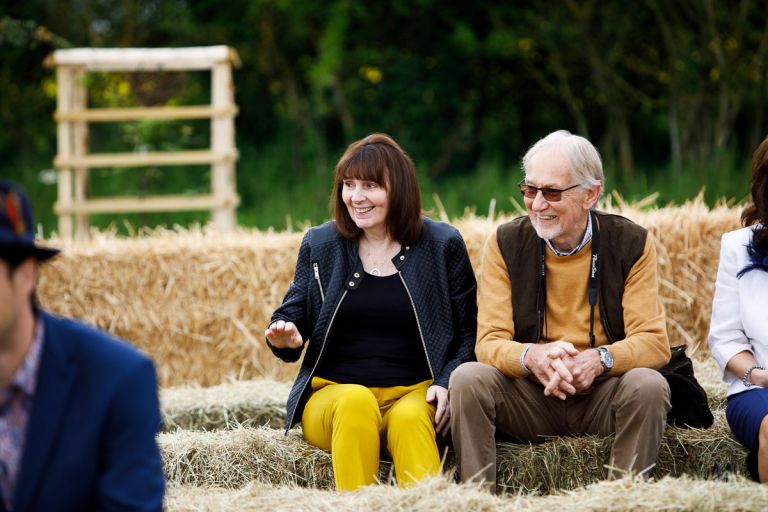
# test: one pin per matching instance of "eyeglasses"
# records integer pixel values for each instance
(552, 195)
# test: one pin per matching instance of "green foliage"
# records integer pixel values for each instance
(673, 94)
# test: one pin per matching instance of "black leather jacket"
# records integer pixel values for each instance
(436, 273)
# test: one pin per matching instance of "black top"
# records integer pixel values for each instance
(436, 271)
(375, 339)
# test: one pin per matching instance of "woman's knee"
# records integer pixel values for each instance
(355, 400)
(337, 409)
(411, 415)
(353, 395)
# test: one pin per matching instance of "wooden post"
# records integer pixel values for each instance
(223, 142)
(73, 116)
(64, 83)
(80, 148)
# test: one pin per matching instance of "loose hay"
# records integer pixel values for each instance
(233, 458)
(438, 495)
(198, 301)
(251, 403)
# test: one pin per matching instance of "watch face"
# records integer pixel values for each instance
(606, 358)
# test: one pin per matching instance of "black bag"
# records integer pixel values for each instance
(690, 408)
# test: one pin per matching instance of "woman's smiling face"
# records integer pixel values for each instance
(367, 203)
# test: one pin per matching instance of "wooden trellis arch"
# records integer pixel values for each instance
(73, 117)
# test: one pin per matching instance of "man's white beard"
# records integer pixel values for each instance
(547, 233)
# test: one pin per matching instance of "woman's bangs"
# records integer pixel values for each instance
(363, 167)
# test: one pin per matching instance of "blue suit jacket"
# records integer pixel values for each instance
(91, 433)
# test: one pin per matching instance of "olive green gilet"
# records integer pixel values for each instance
(621, 245)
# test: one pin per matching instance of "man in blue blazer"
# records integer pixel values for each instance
(78, 409)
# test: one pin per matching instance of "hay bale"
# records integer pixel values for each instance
(198, 301)
(252, 403)
(688, 245)
(233, 458)
(708, 374)
(261, 402)
(571, 462)
(440, 495)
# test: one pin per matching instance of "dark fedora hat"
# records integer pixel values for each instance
(17, 226)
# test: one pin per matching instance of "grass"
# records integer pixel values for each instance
(284, 188)
(727, 180)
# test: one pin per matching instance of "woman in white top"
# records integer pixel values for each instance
(738, 333)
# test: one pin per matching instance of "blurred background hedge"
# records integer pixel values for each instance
(672, 93)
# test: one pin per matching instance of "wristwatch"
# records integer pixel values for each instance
(606, 359)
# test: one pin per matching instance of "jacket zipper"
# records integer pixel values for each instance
(319, 357)
(319, 283)
(418, 324)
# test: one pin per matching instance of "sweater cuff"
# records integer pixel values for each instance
(622, 360)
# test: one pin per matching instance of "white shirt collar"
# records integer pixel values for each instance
(587, 238)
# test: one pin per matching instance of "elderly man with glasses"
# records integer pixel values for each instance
(570, 326)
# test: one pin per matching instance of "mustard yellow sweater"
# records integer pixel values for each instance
(645, 346)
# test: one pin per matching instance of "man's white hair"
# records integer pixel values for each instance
(584, 160)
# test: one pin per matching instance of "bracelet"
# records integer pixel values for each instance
(522, 359)
(745, 379)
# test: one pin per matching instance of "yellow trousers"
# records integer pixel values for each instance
(353, 422)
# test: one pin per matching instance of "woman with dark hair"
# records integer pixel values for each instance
(738, 333)
(384, 300)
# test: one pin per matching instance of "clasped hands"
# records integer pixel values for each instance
(562, 369)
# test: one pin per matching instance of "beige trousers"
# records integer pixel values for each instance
(486, 403)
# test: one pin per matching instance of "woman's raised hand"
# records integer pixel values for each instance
(282, 334)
